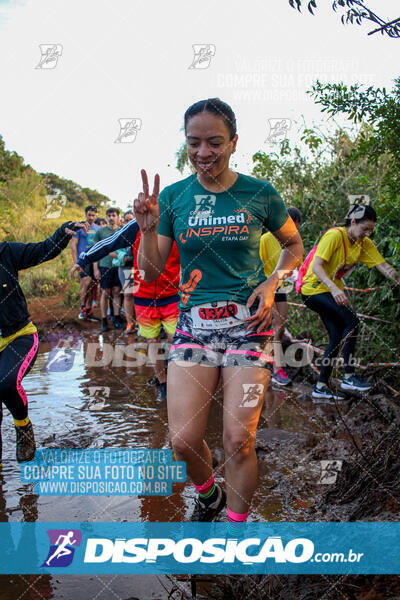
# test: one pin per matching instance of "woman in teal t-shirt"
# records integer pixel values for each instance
(216, 217)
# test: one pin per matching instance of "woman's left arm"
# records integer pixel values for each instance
(290, 257)
(389, 272)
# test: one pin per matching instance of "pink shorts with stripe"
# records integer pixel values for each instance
(229, 347)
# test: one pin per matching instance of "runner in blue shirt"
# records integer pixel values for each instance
(80, 243)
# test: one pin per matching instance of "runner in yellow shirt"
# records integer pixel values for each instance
(338, 251)
(270, 251)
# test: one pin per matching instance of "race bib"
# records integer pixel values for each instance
(218, 315)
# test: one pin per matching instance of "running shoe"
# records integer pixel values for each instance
(90, 316)
(130, 328)
(162, 393)
(25, 443)
(324, 393)
(82, 315)
(203, 513)
(104, 325)
(354, 383)
(280, 378)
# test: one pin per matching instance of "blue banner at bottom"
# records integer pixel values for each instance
(212, 548)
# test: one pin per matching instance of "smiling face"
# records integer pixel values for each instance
(208, 144)
(359, 231)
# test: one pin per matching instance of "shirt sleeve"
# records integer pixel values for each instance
(165, 223)
(120, 239)
(32, 254)
(370, 254)
(328, 245)
(277, 215)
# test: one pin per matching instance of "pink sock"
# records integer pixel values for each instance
(205, 487)
(237, 517)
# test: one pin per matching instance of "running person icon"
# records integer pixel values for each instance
(62, 549)
(337, 253)
(216, 217)
(19, 341)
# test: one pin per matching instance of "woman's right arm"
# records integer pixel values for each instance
(153, 254)
(154, 249)
(318, 268)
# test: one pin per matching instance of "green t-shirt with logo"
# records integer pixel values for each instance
(218, 236)
(102, 234)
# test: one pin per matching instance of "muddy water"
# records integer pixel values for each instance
(126, 413)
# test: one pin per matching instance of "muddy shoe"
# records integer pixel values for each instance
(354, 383)
(281, 378)
(25, 443)
(324, 393)
(203, 513)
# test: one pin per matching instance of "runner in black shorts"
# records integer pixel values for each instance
(19, 342)
(336, 255)
(81, 241)
(216, 218)
(104, 272)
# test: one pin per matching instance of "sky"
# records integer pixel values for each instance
(138, 62)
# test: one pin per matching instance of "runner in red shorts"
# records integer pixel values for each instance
(156, 303)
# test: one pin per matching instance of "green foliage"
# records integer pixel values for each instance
(75, 193)
(40, 281)
(356, 11)
(23, 218)
(182, 159)
(381, 110)
(11, 164)
(318, 181)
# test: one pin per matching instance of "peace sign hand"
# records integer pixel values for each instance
(147, 211)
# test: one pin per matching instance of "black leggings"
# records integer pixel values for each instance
(16, 360)
(342, 326)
